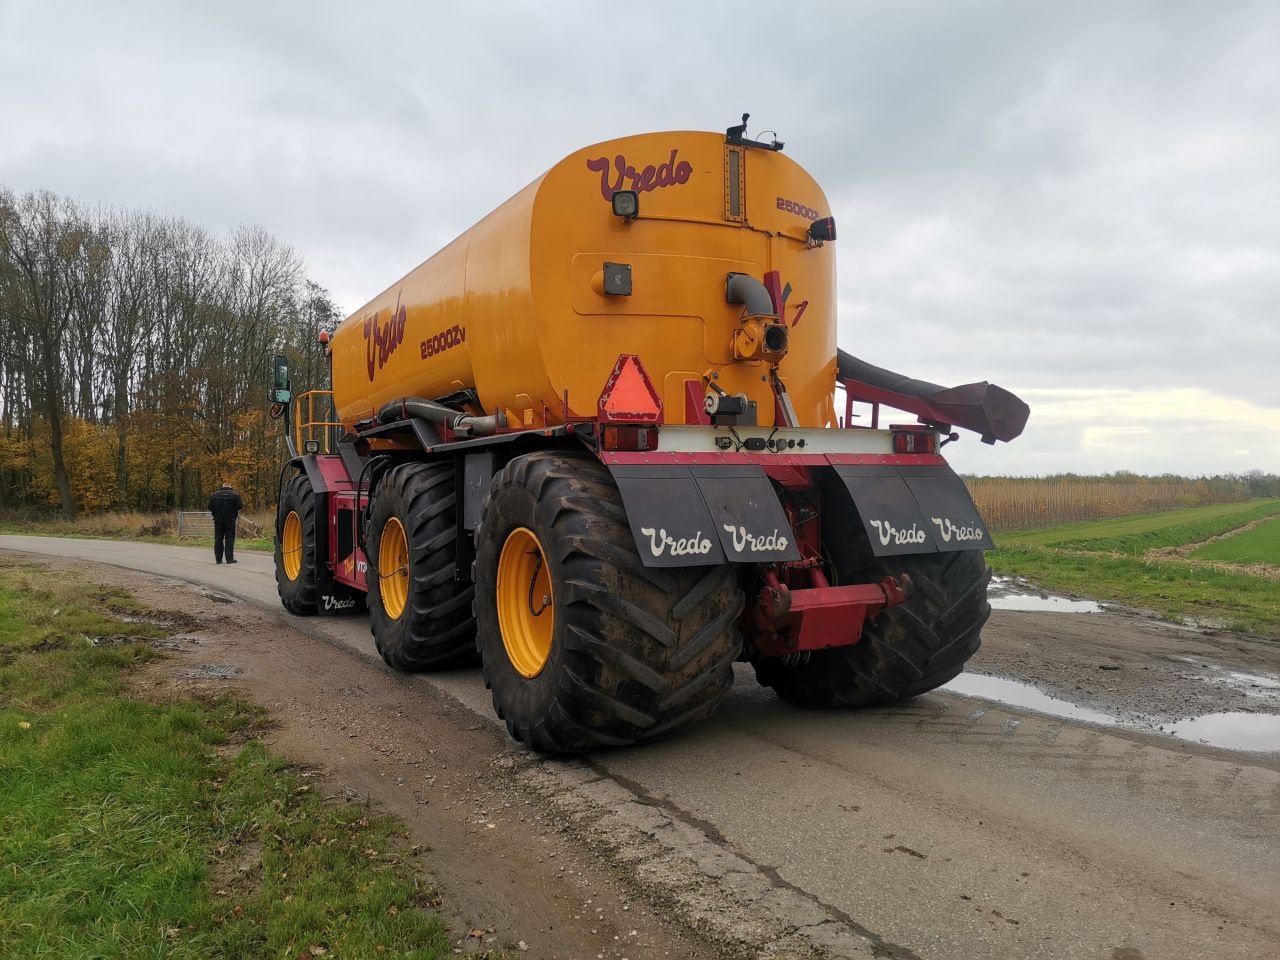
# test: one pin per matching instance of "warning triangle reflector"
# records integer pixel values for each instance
(628, 395)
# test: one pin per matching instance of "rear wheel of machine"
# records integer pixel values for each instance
(419, 614)
(909, 650)
(295, 553)
(581, 644)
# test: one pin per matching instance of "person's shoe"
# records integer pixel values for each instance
(217, 561)
(233, 561)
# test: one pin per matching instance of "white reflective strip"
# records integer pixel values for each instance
(673, 439)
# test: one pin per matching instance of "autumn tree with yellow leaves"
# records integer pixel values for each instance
(135, 353)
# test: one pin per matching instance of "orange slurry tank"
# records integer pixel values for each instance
(515, 308)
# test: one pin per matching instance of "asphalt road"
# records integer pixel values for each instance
(948, 828)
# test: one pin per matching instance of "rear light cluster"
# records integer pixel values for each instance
(915, 441)
(628, 438)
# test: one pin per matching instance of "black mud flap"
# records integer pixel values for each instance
(923, 509)
(685, 516)
(338, 598)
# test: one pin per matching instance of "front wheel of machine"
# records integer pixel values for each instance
(581, 644)
(909, 650)
(419, 613)
(295, 552)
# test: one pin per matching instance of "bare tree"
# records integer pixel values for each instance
(153, 336)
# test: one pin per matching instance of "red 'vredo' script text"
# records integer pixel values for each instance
(621, 175)
(381, 339)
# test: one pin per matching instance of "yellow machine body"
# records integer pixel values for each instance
(516, 309)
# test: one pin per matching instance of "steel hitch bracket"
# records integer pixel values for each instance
(791, 621)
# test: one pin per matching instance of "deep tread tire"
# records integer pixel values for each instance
(300, 596)
(636, 653)
(909, 650)
(436, 630)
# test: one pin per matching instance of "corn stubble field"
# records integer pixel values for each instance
(1021, 503)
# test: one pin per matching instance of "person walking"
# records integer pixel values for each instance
(225, 505)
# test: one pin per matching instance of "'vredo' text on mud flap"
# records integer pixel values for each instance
(924, 509)
(683, 516)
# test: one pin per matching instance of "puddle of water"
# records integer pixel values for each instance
(1252, 732)
(1257, 732)
(1020, 694)
(1006, 594)
(1033, 603)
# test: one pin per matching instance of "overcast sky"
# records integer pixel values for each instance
(1078, 201)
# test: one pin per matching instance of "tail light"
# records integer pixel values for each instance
(915, 441)
(628, 438)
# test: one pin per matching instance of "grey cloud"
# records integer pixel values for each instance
(1041, 194)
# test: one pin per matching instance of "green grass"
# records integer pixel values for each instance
(123, 823)
(252, 544)
(1104, 559)
(1136, 535)
(1259, 545)
(1173, 588)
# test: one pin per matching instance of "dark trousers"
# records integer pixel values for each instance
(224, 540)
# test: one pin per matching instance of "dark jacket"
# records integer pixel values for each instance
(225, 505)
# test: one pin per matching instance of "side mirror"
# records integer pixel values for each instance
(280, 392)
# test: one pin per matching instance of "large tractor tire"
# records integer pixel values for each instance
(295, 552)
(909, 650)
(582, 645)
(419, 614)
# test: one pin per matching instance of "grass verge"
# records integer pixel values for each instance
(1104, 559)
(1259, 545)
(252, 544)
(146, 527)
(136, 829)
(1173, 588)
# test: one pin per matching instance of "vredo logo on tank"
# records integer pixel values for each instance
(622, 175)
(381, 340)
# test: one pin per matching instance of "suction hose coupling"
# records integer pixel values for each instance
(761, 334)
(760, 338)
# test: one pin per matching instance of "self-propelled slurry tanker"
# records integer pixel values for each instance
(594, 443)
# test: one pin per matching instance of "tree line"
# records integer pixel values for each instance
(135, 355)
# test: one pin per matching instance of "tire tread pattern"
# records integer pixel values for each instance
(301, 596)
(437, 630)
(646, 651)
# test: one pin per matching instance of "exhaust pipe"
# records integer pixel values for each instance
(463, 424)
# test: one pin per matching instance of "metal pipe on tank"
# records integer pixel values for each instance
(460, 423)
(747, 290)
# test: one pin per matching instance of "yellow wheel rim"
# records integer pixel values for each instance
(393, 568)
(526, 604)
(291, 545)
